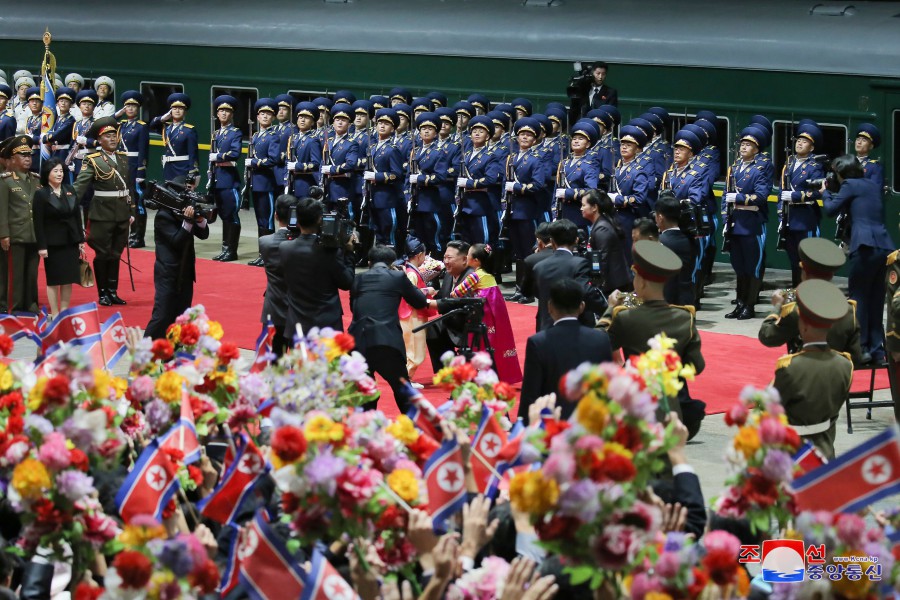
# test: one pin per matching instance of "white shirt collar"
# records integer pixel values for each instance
(565, 319)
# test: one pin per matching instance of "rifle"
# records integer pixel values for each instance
(460, 193)
(75, 147)
(785, 206)
(413, 187)
(247, 191)
(506, 198)
(562, 182)
(364, 216)
(328, 161)
(729, 212)
(289, 173)
(211, 172)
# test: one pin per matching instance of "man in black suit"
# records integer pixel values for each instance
(683, 487)
(544, 249)
(175, 271)
(275, 306)
(600, 93)
(375, 302)
(313, 274)
(681, 289)
(447, 334)
(563, 263)
(553, 352)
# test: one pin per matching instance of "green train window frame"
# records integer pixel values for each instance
(780, 149)
(242, 114)
(155, 99)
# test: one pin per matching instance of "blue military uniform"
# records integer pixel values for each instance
(482, 171)
(525, 198)
(631, 186)
(134, 141)
(59, 138)
(453, 157)
(304, 155)
(388, 208)
(363, 137)
(578, 176)
(33, 129)
(181, 149)
(500, 152)
(339, 163)
(225, 151)
(284, 129)
(872, 169)
(262, 156)
(427, 177)
(83, 131)
(8, 115)
(706, 163)
(461, 137)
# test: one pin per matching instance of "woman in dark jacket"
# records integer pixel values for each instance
(59, 234)
(608, 240)
(870, 243)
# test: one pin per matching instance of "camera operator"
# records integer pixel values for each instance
(589, 90)
(679, 289)
(375, 301)
(174, 272)
(313, 273)
(447, 334)
(274, 298)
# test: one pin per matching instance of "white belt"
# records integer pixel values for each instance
(803, 203)
(132, 153)
(812, 429)
(168, 159)
(81, 154)
(226, 164)
(753, 208)
(55, 147)
(112, 194)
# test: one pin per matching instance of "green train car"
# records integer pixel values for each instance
(833, 62)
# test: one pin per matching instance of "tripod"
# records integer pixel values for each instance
(474, 331)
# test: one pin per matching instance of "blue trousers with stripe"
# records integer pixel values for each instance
(264, 207)
(747, 254)
(228, 201)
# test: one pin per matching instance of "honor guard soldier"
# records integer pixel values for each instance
(262, 156)
(7, 115)
(403, 136)
(601, 152)
(545, 152)
(59, 138)
(134, 141)
(658, 149)
(19, 257)
(522, 107)
(105, 88)
(180, 156)
(576, 176)
(284, 128)
(892, 329)
(710, 161)
(84, 144)
(421, 105)
(364, 138)
(766, 125)
(33, 125)
(379, 102)
(481, 171)
(384, 178)
(819, 259)
(609, 138)
(631, 328)
(224, 181)
(798, 206)
(340, 156)
(425, 179)
(111, 211)
(814, 383)
(481, 103)
(500, 151)
(304, 152)
(344, 97)
(438, 100)
(399, 95)
(453, 160)
(75, 81)
(464, 112)
(557, 139)
(867, 139)
(631, 184)
(20, 107)
(323, 123)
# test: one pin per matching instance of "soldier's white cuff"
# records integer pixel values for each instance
(561, 193)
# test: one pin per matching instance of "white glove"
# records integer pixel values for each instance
(414, 179)
(730, 197)
(510, 186)
(786, 196)
(250, 163)
(72, 167)
(325, 170)
(561, 193)
(461, 182)
(213, 156)
(81, 140)
(369, 175)
(138, 181)
(291, 166)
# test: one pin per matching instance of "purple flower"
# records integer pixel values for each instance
(486, 377)
(143, 354)
(581, 500)
(778, 466)
(74, 484)
(38, 423)
(158, 415)
(253, 388)
(176, 555)
(322, 471)
(481, 361)
(353, 366)
(674, 541)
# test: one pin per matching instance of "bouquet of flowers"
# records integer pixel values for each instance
(762, 458)
(662, 372)
(472, 385)
(483, 583)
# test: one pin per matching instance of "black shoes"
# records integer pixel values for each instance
(738, 308)
(257, 262)
(114, 298)
(513, 297)
(747, 312)
(105, 300)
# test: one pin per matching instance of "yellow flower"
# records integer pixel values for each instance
(322, 429)
(617, 448)
(403, 430)
(30, 478)
(137, 536)
(36, 396)
(445, 374)
(532, 493)
(159, 581)
(747, 441)
(6, 378)
(102, 381)
(215, 330)
(332, 350)
(592, 413)
(657, 596)
(120, 386)
(173, 334)
(404, 483)
(168, 387)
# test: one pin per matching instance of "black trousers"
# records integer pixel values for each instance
(169, 302)
(108, 239)
(20, 264)
(390, 363)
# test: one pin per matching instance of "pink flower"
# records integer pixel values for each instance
(98, 527)
(771, 431)
(54, 453)
(643, 584)
(357, 485)
(588, 443)
(850, 530)
(560, 466)
(366, 385)
(722, 542)
(481, 361)
(737, 414)
(142, 388)
(668, 565)
(616, 546)
(405, 463)
(16, 452)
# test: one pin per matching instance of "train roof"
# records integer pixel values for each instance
(804, 36)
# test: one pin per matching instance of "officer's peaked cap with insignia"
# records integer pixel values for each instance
(135, 97)
(820, 303)
(89, 95)
(655, 262)
(179, 100)
(103, 125)
(820, 258)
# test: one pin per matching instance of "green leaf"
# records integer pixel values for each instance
(580, 574)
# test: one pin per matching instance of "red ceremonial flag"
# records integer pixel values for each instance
(236, 485)
(263, 347)
(185, 433)
(111, 346)
(78, 324)
(268, 571)
(853, 481)
(19, 326)
(325, 583)
(808, 458)
(445, 480)
(489, 440)
(150, 484)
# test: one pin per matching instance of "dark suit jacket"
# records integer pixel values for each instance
(684, 488)
(452, 326)
(528, 270)
(313, 275)
(175, 256)
(680, 289)
(561, 263)
(57, 221)
(275, 297)
(613, 264)
(375, 301)
(606, 95)
(553, 352)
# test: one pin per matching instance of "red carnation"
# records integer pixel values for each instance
(15, 424)
(760, 490)
(464, 372)
(557, 528)
(134, 568)
(618, 467)
(195, 474)
(205, 577)
(393, 518)
(288, 443)
(722, 566)
(47, 516)
(629, 436)
(6, 344)
(424, 447)
(190, 333)
(86, 591)
(553, 427)
(700, 581)
(13, 403)
(289, 503)
(162, 350)
(176, 457)
(792, 439)
(504, 390)
(56, 391)
(345, 341)
(79, 459)
(229, 352)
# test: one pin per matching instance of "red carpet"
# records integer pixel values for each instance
(232, 294)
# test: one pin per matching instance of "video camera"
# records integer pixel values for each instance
(581, 82)
(176, 197)
(472, 307)
(830, 180)
(693, 219)
(335, 231)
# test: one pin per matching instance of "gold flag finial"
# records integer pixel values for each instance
(47, 37)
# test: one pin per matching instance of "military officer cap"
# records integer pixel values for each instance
(3, 80)
(558, 105)
(344, 97)
(708, 115)
(701, 133)
(379, 102)
(388, 115)
(402, 94)
(464, 107)
(225, 101)
(306, 108)
(104, 80)
(57, 82)
(544, 120)
(438, 99)
(654, 262)
(661, 113)
(688, 139)
(820, 303)
(528, 124)
(179, 100)
(763, 122)
(755, 135)
(811, 133)
(644, 125)
(428, 119)
(820, 258)
(601, 115)
(5, 91)
(584, 129)
(807, 122)
(32, 93)
(403, 109)
(89, 95)
(523, 104)
(483, 121)
(24, 80)
(446, 114)
(422, 104)
(507, 109)
(655, 121)
(499, 119)
(613, 112)
(2, 74)
(869, 131)
(75, 77)
(285, 100)
(595, 127)
(342, 109)
(265, 104)
(710, 128)
(17, 144)
(480, 101)
(362, 107)
(22, 73)
(323, 103)
(559, 115)
(136, 98)
(65, 92)
(103, 125)
(633, 134)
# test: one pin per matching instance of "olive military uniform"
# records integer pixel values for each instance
(892, 335)
(19, 265)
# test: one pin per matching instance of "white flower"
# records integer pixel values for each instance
(287, 480)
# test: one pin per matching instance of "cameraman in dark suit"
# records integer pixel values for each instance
(313, 274)
(175, 271)
(447, 334)
(275, 297)
(553, 352)
(680, 289)
(375, 301)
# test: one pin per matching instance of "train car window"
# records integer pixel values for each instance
(243, 112)
(722, 142)
(89, 83)
(835, 141)
(305, 95)
(155, 94)
(895, 172)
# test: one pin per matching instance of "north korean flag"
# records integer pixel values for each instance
(267, 569)
(150, 485)
(45, 366)
(808, 458)
(20, 326)
(75, 325)
(241, 476)
(183, 435)
(489, 440)
(423, 413)
(445, 481)
(853, 481)
(231, 572)
(325, 583)
(111, 347)
(263, 348)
